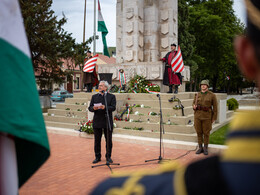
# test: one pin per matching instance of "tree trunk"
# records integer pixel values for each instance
(214, 82)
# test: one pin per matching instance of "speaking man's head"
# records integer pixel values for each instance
(103, 86)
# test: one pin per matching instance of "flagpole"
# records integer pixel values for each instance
(84, 28)
(94, 35)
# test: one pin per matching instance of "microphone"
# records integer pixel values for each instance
(158, 95)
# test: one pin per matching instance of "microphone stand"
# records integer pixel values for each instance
(108, 138)
(161, 132)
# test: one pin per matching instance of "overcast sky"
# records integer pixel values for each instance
(74, 12)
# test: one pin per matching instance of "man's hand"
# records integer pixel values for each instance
(194, 107)
(212, 121)
(95, 107)
(102, 107)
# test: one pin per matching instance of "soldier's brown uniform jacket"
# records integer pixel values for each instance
(206, 101)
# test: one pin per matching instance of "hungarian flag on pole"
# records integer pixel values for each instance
(102, 28)
(177, 62)
(20, 110)
(90, 64)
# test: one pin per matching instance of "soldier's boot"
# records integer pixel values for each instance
(205, 149)
(200, 150)
(176, 89)
(170, 89)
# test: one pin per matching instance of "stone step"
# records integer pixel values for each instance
(155, 127)
(229, 114)
(72, 107)
(164, 103)
(58, 112)
(63, 119)
(77, 100)
(165, 111)
(147, 133)
(88, 96)
(62, 125)
(164, 96)
(249, 102)
(140, 96)
(180, 120)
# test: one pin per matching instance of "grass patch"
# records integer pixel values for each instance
(219, 136)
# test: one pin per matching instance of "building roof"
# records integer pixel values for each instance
(68, 64)
(102, 59)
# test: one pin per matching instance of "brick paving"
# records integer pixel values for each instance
(68, 170)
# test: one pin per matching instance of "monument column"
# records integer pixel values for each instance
(130, 28)
(151, 29)
(168, 25)
(145, 31)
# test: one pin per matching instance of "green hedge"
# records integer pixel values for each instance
(232, 104)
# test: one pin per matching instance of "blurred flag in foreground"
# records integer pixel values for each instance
(21, 120)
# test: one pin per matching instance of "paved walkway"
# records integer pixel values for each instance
(68, 170)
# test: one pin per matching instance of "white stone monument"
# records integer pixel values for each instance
(145, 31)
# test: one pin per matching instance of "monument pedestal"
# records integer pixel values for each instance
(153, 71)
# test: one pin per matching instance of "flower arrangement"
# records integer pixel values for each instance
(86, 127)
(153, 87)
(134, 128)
(114, 89)
(177, 107)
(138, 84)
(152, 114)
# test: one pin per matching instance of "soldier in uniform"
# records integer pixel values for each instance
(89, 78)
(205, 113)
(171, 78)
(236, 171)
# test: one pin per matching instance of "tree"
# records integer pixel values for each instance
(49, 43)
(214, 25)
(185, 39)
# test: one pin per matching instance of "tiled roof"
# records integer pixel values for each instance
(68, 64)
(106, 59)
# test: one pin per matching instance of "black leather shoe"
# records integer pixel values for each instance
(109, 160)
(96, 160)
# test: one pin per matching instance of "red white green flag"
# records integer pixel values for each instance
(103, 29)
(21, 118)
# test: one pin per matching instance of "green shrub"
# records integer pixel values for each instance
(232, 104)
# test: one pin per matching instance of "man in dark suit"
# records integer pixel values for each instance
(100, 122)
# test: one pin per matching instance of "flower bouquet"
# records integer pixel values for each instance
(86, 127)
